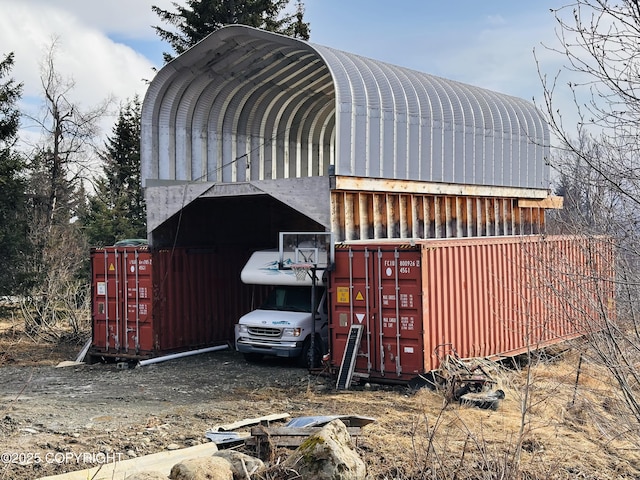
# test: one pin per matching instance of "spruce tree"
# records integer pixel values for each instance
(199, 18)
(14, 245)
(117, 210)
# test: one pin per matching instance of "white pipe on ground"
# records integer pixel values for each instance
(173, 356)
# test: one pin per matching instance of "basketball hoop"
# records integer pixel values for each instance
(301, 269)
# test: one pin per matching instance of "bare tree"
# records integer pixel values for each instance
(63, 159)
(59, 167)
(589, 202)
(598, 164)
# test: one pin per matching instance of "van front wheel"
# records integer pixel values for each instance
(306, 359)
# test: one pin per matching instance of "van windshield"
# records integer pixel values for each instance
(287, 298)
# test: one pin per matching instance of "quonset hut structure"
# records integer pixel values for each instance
(250, 133)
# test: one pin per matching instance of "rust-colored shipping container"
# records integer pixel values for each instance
(148, 303)
(477, 297)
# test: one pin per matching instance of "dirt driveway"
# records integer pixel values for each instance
(47, 412)
(54, 420)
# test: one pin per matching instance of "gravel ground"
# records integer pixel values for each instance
(47, 413)
(55, 420)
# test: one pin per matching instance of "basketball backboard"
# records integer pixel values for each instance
(314, 248)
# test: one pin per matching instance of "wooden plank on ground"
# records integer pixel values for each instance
(250, 421)
(288, 436)
(159, 462)
(294, 432)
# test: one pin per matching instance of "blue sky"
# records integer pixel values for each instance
(108, 48)
(489, 44)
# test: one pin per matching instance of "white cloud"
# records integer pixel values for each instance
(98, 66)
(97, 42)
(122, 17)
(496, 20)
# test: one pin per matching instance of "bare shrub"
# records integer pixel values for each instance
(57, 308)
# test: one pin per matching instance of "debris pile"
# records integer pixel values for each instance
(327, 453)
(325, 449)
(468, 382)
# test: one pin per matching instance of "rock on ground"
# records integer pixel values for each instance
(202, 468)
(147, 476)
(242, 465)
(328, 454)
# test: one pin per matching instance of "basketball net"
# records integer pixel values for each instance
(301, 270)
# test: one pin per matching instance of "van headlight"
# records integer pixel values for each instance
(242, 329)
(291, 332)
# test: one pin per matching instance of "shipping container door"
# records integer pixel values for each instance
(398, 327)
(122, 289)
(106, 314)
(137, 330)
(352, 302)
(379, 288)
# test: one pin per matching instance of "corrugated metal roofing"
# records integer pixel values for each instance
(246, 105)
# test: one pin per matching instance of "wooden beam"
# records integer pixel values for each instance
(552, 202)
(250, 421)
(288, 436)
(365, 184)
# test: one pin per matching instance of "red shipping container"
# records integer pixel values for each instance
(477, 297)
(146, 303)
(122, 290)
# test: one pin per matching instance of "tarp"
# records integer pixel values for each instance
(321, 420)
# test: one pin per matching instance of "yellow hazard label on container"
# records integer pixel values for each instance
(359, 296)
(111, 267)
(342, 294)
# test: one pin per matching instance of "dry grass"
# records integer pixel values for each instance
(418, 436)
(568, 430)
(16, 347)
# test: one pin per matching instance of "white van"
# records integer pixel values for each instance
(283, 326)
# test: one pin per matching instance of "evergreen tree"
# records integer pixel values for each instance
(199, 18)
(117, 209)
(14, 247)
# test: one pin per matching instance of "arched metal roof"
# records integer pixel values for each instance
(245, 105)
